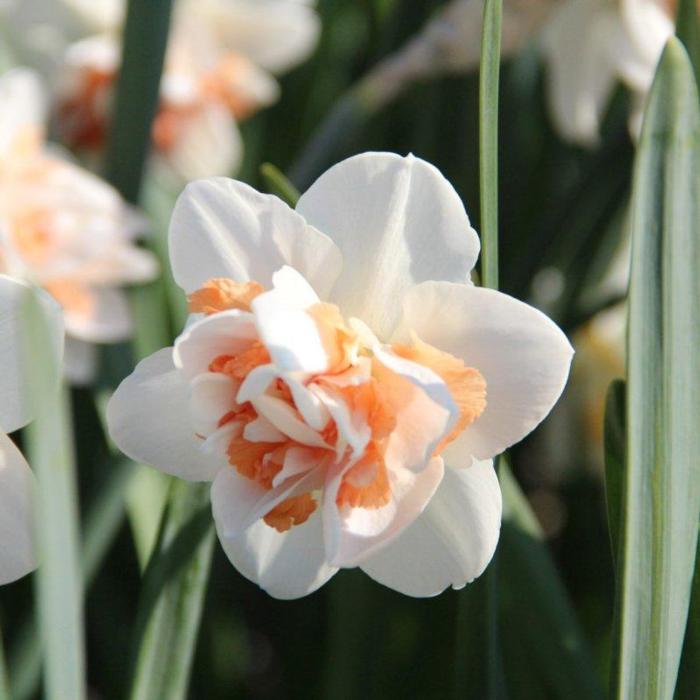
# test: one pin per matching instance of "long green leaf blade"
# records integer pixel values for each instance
(58, 581)
(662, 478)
(172, 597)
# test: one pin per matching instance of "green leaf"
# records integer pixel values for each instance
(615, 437)
(488, 139)
(535, 604)
(662, 475)
(172, 597)
(59, 588)
(278, 184)
(102, 522)
(143, 53)
(688, 31)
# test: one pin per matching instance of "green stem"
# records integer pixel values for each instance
(143, 55)
(488, 139)
(278, 184)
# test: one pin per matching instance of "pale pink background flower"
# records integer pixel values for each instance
(220, 64)
(65, 229)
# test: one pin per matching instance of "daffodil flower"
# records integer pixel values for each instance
(590, 45)
(219, 70)
(64, 229)
(17, 554)
(341, 382)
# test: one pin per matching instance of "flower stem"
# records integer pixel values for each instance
(488, 139)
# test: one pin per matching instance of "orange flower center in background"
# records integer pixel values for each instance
(374, 400)
(84, 114)
(32, 233)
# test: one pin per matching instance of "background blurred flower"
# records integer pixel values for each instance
(219, 69)
(17, 556)
(324, 435)
(590, 45)
(64, 229)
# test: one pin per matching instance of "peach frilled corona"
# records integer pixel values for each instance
(341, 382)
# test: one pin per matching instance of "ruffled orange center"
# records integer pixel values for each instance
(222, 294)
(373, 401)
(466, 384)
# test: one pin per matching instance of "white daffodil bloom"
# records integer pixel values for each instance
(64, 229)
(219, 69)
(590, 46)
(17, 554)
(341, 383)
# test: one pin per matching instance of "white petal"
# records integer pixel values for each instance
(274, 34)
(209, 145)
(288, 332)
(397, 222)
(238, 502)
(16, 298)
(224, 333)
(257, 382)
(578, 43)
(224, 228)
(359, 532)
(352, 429)
(149, 419)
(297, 460)
(308, 404)
(213, 395)
(648, 27)
(217, 442)
(262, 430)
(287, 420)
(452, 541)
(107, 320)
(523, 356)
(23, 109)
(285, 564)
(17, 555)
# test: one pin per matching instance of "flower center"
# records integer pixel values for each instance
(362, 399)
